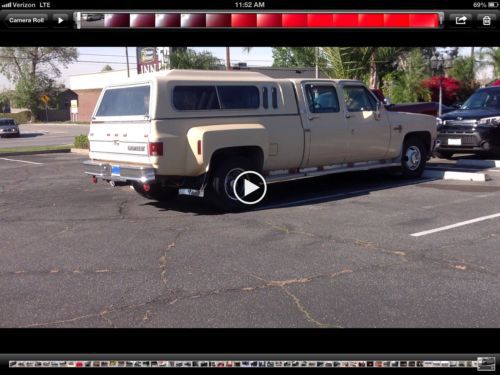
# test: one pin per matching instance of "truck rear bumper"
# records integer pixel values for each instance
(119, 172)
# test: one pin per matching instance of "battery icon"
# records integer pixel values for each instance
(493, 4)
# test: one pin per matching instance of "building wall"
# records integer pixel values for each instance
(87, 99)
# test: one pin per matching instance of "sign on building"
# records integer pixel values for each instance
(74, 106)
(74, 110)
(154, 59)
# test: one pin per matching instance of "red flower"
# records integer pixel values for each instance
(451, 87)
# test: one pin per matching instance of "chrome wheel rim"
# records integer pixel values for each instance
(229, 183)
(413, 158)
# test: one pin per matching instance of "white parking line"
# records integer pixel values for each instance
(472, 221)
(22, 161)
(339, 195)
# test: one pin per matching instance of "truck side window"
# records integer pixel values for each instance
(265, 98)
(195, 98)
(357, 99)
(274, 97)
(322, 99)
(239, 97)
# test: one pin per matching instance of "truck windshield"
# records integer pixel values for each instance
(483, 99)
(125, 101)
(7, 122)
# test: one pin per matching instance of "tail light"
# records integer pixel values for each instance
(155, 149)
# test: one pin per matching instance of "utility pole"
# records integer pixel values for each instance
(473, 60)
(228, 59)
(316, 63)
(128, 67)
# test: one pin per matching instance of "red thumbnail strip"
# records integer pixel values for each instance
(277, 20)
(244, 20)
(294, 20)
(424, 20)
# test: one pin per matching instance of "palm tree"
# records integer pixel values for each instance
(346, 62)
(491, 57)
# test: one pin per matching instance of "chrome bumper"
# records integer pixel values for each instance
(126, 172)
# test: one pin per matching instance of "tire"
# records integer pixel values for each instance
(156, 192)
(219, 191)
(414, 157)
(443, 154)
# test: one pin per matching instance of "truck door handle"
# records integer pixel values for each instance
(399, 128)
(348, 115)
(312, 117)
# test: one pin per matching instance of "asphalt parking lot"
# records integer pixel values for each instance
(45, 135)
(353, 250)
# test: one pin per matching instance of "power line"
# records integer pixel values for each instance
(73, 62)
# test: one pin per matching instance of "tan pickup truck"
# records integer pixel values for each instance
(193, 132)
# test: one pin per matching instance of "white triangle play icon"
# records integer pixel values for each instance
(250, 187)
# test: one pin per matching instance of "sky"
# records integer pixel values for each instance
(93, 59)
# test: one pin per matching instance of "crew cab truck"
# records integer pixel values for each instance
(193, 132)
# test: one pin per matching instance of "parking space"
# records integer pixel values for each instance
(335, 251)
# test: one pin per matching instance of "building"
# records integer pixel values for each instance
(88, 87)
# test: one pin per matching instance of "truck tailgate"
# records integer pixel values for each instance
(123, 141)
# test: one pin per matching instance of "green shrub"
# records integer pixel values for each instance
(82, 141)
(21, 117)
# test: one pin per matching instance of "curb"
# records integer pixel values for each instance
(457, 176)
(81, 151)
(18, 153)
(479, 163)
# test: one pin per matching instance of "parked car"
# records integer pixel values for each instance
(474, 128)
(194, 132)
(9, 128)
(94, 16)
(426, 108)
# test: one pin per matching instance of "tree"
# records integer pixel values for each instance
(190, 59)
(463, 70)
(106, 68)
(33, 71)
(407, 85)
(383, 60)
(366, 63)
(345, 62)
(451, 88)
(295, 57)
(491, 55)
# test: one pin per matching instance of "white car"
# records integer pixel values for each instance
(9, 127)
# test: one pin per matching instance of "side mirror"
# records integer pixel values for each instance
(387, 101)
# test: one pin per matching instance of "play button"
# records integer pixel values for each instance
(249, 187)
(61, 20)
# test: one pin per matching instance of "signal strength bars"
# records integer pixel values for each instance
(7, 5)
